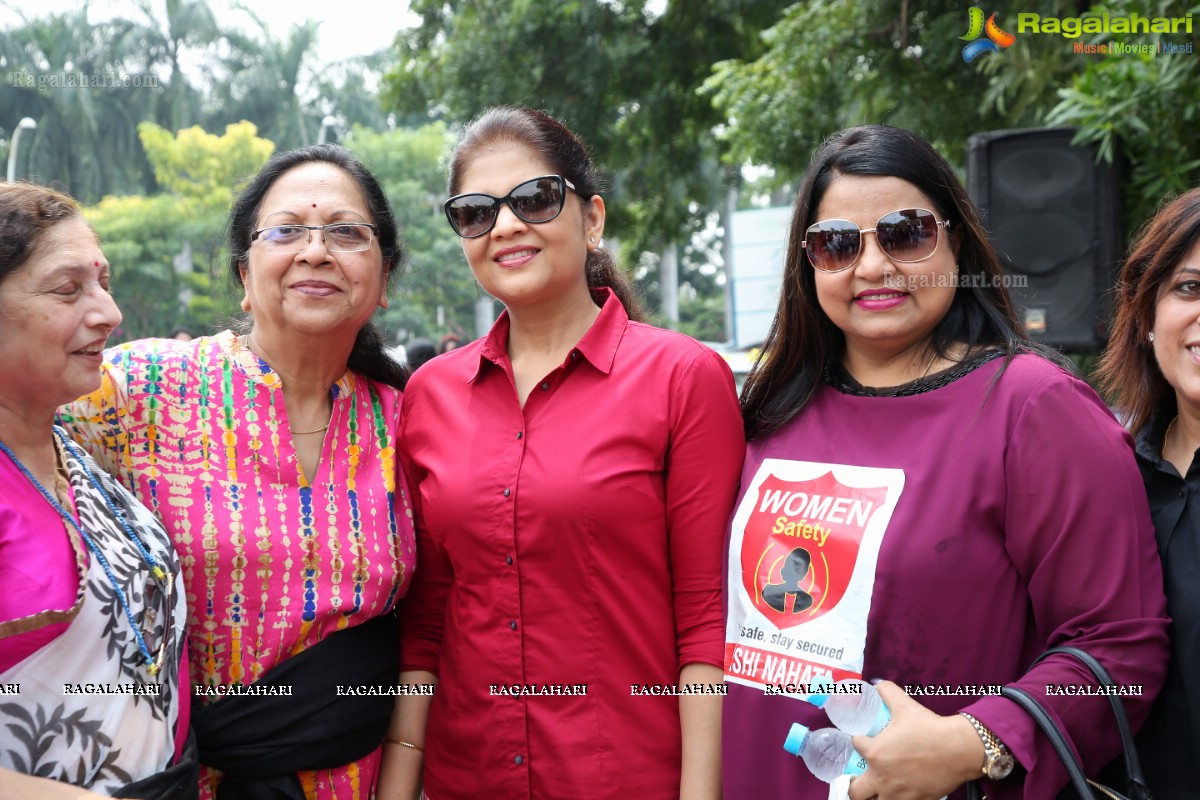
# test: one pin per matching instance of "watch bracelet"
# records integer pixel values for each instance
(991, 742)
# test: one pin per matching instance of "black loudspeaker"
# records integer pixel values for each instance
(1054, 216)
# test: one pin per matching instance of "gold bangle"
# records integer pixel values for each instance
(403, 743)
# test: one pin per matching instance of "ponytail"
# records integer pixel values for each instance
(602, 271)
(370, 358)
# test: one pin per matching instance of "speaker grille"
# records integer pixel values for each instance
(1053, 216)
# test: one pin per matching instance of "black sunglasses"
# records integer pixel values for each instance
(906, 236)
(535, 201)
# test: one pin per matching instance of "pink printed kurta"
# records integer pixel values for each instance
(273, 561)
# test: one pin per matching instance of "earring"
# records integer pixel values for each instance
(592, 240)
(1151, 336)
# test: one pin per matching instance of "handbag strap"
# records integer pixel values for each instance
(1137, 786)
(1048, 727)
(1057, 740)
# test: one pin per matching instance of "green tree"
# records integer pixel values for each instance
(202, 168)
(68, 75)
(1132, 109)
(188, 29)
(829, 65)
(169, 261)
(265, 78)
(621, 76)
(410, 164)
(160, 279)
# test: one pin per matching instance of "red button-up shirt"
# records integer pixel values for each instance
(575, 542)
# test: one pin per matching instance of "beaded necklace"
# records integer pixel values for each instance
(152, 665)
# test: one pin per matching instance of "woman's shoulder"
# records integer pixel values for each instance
(1029, 373)
(454, 367)
(649, 342)
(169, 351)
(665, 339)
(1036, 388)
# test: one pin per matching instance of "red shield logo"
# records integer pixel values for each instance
(801, 543)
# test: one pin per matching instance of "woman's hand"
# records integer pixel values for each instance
(19, 786)
(401, 768)
(919, 755)
(700, 724)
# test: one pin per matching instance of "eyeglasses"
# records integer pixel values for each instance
(534, 201)
(905, 236)
(339, 237)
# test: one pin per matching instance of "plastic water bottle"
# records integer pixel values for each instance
(819, 689)
(854, 707)
(828, 752)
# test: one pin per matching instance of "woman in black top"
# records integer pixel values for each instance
(1152, 369)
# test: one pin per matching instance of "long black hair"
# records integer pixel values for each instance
(369, 357)
(565, 153)
(1129, 369)
(803, 342)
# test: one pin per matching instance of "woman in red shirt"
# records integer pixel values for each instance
(572, 474)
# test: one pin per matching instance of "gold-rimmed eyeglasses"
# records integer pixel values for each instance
(339, 237)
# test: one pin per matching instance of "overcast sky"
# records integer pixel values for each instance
(348, 27)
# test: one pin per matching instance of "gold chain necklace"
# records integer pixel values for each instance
(315, 430)
(1162, 453)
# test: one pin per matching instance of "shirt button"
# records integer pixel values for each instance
(545, 387)
(574, 354)
(518, 759)
(520, 434)
(507, 492)
(508, 560)
(513, 624)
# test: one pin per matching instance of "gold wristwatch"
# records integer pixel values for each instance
(998, 762)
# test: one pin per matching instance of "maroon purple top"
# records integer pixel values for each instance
(1019, 523)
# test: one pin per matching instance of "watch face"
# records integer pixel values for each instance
(1000, 765)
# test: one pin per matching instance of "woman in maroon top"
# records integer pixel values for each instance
(953, 500)
(572, 475)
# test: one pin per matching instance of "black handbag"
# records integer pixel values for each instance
(1083, 788)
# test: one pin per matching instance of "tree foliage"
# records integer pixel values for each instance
(674, 98)
(144, 238)
(86, 140)
(1132, 109)
(203, 168)
(830, 64)
(410, 164)
(166, 250)
(89, 86)
(621, 76)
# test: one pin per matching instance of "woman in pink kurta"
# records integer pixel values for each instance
(288, 530)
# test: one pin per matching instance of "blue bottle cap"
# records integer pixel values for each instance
(819, 691)
(795, 738)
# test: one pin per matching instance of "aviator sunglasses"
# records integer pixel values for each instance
(535, 201)
(905, 236)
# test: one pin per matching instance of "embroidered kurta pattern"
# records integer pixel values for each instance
(273, 560)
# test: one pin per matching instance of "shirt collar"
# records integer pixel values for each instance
(1148, 443)
(598, 346)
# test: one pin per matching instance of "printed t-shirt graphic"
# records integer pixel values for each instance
(804, 545)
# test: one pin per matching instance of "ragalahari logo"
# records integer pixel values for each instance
(996, 38)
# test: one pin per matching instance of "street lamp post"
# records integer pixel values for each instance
(26, 124)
